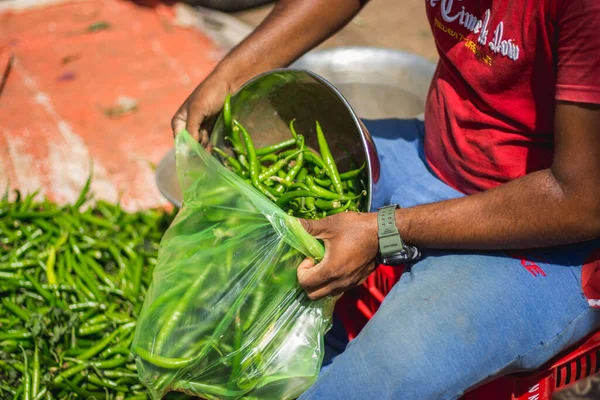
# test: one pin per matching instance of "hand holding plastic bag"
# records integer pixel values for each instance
(225, 317)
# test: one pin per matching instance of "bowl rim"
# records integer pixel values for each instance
(162, 166)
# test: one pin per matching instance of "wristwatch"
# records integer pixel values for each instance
(392, 250)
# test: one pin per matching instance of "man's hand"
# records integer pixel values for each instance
(350, 248)
(279, 40)
(549, 207)
(196, 112)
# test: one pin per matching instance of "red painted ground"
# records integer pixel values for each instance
(64, 81)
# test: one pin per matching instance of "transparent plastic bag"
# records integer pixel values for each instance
(225, 317)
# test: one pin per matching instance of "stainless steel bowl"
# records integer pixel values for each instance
(378, 83)
(266, 104)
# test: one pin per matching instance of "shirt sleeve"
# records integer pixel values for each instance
(578, 51)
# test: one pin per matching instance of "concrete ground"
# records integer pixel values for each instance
(58, 60)
(383, 23)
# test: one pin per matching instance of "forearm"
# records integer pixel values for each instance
(291, 29)
(533, 211)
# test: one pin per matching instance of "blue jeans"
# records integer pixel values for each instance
(455, 318)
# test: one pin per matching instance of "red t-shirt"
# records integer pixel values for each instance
(489, 116)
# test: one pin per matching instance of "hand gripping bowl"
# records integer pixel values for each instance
(266, 104)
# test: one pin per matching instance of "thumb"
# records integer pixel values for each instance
(316, 227)
(178, 121)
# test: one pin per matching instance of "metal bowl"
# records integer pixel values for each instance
(266, 104)
(378, 83)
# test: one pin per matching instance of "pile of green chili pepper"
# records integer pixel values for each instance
(304, 183)
(72, 283)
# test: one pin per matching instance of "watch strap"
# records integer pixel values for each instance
(389, 237)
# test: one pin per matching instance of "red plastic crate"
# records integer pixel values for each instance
(358, 305)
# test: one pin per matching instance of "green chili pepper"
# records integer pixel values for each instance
(83, 393)
(311, 203)
(98, 221)
(299, 162)
(115, 362)
(237, 352)
(178, 311)
(345, 176)
(26, 377)
(253, 162)
(255, 308)
(271, 158)
(328, 205)
(42, 393)
(289, 196)
(48, 227)
(19, 265)
(29, 215)
(292, 129)
(195, 387)
(36, 372)
(243, 161)
(314, 159)
(111, 351)
(330, 165)
(273, 169)
(93, 379)
(163, 362)
(84, 192)
(90, 282)
(98, 347)
(284, 183)
(297, 186)
(324, 183)
(227, 115)
(15, 309)
(92, 329)
(231, 132)
(274, 147)
(98, 270)
(38, 287)
(50, 261)
(340, 209)
(119, 374)
(231, 160)
(326, 194)
(353, 173)
(287, 153)
(302, 174)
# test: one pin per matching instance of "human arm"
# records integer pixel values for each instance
(291, 29)
(554, 206)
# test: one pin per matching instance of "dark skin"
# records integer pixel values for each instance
(554, 206)
(277, 42)
(559, 205)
